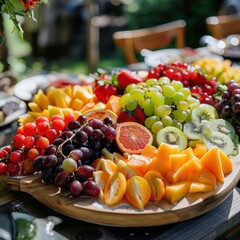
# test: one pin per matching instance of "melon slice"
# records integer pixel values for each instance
(212, 162)
(174, 193)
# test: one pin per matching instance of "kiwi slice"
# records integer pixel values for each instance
(223, 126)
(195, 130)
(221, 140)
(204, 112)
(235, 140)
(172, 136)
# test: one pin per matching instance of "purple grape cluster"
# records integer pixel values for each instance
(228, 106)
(67, 161)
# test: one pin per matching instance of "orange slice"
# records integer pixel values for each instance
(115, 188)
(100, 114)
(132, 137)
(138, 191)
(157, 185)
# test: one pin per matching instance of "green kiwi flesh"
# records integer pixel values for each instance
(221, 140)
(195, 130)
(172, 136)
(204, 112)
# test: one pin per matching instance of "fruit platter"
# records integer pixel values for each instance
(155, 147)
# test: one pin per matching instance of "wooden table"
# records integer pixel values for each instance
(220, 223)
(223, 222)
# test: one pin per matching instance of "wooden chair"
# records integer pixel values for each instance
(153, 38)
(224, 25)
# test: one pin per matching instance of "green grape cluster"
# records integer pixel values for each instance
(164, 102)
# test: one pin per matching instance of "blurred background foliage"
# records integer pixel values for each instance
(68, 51)
(147, 13)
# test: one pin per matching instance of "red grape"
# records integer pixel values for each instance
(76, 188)
(15, 156)
(3, 168)
(29, 142)
(58, 124)
(13, 168)
(42, 143)
(33, 153)
(29, 129)
(18, 140)
(85, 171)
(91, 188)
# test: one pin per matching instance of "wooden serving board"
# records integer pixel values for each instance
(123, 215)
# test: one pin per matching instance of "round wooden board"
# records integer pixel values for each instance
(90, 210)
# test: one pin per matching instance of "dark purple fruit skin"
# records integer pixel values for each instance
(91, 188)
(76, 188)
(85, 171)
(62, 179)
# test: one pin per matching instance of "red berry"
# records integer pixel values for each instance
(103, 93)
(126, 117)
(140, 115)
(126, 77)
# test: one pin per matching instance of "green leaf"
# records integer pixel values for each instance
(18, 7)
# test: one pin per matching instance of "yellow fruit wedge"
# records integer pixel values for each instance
(42, 99)
(200, 187)
(60, 99)
(68, 90)
(177, 191)
(82, 93)
(50, 95)
(34, 107)
(227, 165)
(53, 110)
(77, 104)
(212, 162)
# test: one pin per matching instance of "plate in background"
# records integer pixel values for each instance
(22, 108)
(26, 88)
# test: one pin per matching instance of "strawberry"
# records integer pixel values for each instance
(126, 117)
(104, 92)
(126, 77)
(140, 115)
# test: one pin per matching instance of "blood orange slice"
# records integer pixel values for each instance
(132, 137)
(100, 114)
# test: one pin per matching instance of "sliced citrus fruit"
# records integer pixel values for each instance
(127, 171)
(157, 185)
(115, 188)
(100, 177)
(100, 114)
(132, 137)
(149, 151)
(139, 163)
(138, 191)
